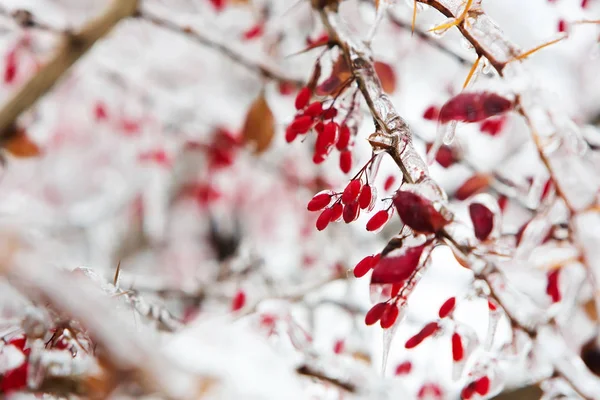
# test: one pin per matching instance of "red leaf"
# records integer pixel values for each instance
(492, 126)
(447, 307)
(474, 107)
(396, 269)
(483, 220)
(418, 213)
(386, 75)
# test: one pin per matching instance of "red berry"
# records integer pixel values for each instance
(314, 109)
(404, 368)
(389, 316)
(344, 138)
(338, 346)
(553, 289)
(302, 98)
(389, 181)
(302, 124)
(365, 198)
(336, 211)
(346, 161)
(427, 331)
(290, 134)
(377, 220)
(351, 191)
(458, 351)
(431, 113)
(482, 385)
(364, 266)
(239, 300)
(351, 212)
(375, 313)
(319, 201)
(447, 307)
(562, 25)
(330, 113)
(324, 219)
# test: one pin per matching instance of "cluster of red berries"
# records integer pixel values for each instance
(330, 134)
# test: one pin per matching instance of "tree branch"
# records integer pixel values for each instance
(266, 69)
(73, 46)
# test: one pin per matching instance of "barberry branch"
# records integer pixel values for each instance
(394, 136)
(266, 68)
(72, 47)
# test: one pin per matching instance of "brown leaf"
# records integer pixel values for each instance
(386, 75)
(19, 145)
(340, 74)
(259, 127)
(475, 184)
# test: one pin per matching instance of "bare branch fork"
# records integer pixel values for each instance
(394, 136)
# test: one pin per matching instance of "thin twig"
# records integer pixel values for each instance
(264, 68)
(73, 46)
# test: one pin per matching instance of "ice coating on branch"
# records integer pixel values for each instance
(586, 227)
(568, 362)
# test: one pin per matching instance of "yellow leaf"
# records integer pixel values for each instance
(259, 127)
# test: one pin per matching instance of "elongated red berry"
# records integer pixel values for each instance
(326, 139)
(239, 300)
(404, 368)
(324, 219)
(389, 182)
(330, 113)
(365, 265)
(10, 69)
(351, 212)
(552, 289)
(336, 211)
(389, 316)
(290, 134)
(319, 202)
(344, 138)
(346, 161)
(447, 307)
(351, 191)
(378, 220)
(458, 351)
(338, 346)
(314, 109)
(427, 331)
(302, 124)
(375, 313)
(482, 385)
(302, 98)
(365, 198)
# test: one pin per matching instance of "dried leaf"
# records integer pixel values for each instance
(19, 145)
(337, 81)
(259, 127)
(386, 75)
(475, 184)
